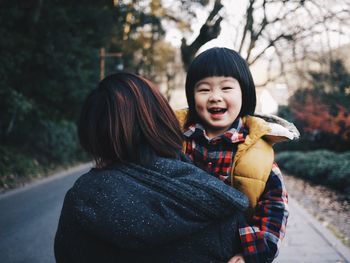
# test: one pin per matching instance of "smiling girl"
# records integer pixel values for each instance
(224, 138)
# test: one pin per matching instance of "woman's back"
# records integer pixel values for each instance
(168, 212)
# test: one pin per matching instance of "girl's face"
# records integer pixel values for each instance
(218, 101)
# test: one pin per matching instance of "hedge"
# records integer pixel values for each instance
(321, 167)
(50, 147)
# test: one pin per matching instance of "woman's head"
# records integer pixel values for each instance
(127, 119)
(220, 62)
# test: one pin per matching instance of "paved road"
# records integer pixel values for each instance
(29, 218)
(308, 241)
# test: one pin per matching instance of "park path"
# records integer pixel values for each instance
(308, 241)
(29, 219)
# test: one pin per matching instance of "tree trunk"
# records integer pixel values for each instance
(209, 30)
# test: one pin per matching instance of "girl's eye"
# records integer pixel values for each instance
(227, 88)
(203, 90)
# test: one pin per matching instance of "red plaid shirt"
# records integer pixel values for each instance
(214, 155)
(262, 237)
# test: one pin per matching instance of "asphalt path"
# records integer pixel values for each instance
(29, 218)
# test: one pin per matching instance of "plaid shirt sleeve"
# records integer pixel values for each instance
(262, 237)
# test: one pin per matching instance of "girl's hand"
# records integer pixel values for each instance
(237, 259)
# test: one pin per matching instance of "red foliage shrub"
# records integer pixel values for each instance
(317, 116)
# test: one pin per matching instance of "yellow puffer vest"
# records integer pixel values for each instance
(253, 161)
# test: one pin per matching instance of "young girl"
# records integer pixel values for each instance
(223, 138)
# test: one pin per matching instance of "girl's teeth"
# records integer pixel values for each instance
(217, 110)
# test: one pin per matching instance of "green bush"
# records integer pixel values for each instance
(345, 155)
(50, 146)
(16, 167)
(55, 141)
(340, 177)
(321, 167)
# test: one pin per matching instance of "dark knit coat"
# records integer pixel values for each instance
(168, 211)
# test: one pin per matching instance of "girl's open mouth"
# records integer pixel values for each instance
(217, 110)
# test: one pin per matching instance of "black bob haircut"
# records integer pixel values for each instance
(219, 61)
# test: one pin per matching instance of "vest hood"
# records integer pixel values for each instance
(279, 129)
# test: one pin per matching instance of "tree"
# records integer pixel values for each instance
(48, 63)
(337, 80)
(280, 32)
(285, 33)
(322, 112)
(141, 39)
(209, 30)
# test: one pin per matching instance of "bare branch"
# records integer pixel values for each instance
(209, 30)
(248, 24)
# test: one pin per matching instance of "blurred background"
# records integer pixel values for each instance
(52, 53)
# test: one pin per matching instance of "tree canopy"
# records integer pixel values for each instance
(49, 55)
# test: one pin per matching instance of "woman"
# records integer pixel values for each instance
(143, 202)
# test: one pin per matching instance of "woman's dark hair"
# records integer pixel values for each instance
(220, 62)
(127, 119)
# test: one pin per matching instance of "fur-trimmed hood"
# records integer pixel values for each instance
(280, 129)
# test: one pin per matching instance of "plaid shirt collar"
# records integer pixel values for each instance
(236, 133)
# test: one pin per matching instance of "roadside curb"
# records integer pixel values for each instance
(57, 175)
(325, 233)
